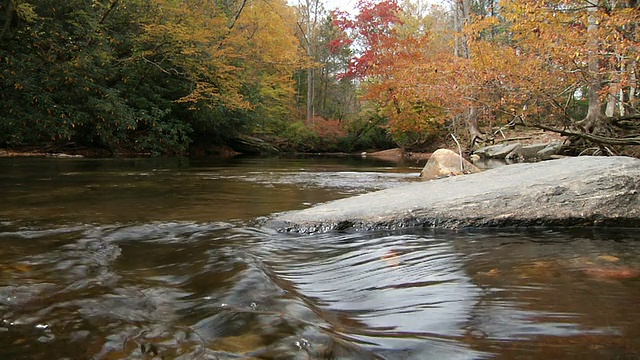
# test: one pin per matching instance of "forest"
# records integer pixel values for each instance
(181, 77)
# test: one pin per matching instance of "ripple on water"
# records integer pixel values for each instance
(377, 289)
(347, 181)
(210, 290)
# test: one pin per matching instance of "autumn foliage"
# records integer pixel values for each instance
(373, 30)
(156, 75)
(568, 66)
(144, 75)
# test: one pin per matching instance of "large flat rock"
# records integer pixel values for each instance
(581, 191)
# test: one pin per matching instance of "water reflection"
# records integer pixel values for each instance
(107, 191)
(390, 293)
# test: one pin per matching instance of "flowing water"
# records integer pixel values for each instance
(161, 259)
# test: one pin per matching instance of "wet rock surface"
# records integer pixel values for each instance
(582, 191)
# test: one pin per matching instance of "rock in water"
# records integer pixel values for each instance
(445, 162)
(580, 191)
(499, 151)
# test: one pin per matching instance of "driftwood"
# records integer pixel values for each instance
(251, 145)
(517, 138)
(604, 140)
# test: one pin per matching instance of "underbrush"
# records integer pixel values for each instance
(330, 135)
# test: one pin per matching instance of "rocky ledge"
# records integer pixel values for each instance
(580, 191)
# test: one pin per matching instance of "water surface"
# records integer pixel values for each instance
(144, 259)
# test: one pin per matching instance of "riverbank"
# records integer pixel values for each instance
(21, 153)
(224, 151)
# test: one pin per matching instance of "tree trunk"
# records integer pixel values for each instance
(466, 20)
(310, 95)
(457, 27)
(462, 14)
(325, 93)
(461, 17)
(471, 120)
(311, 10)
(609, 111)
(9, 7)
(591, 122)
(632, 90)
(623, 69)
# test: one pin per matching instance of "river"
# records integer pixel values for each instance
(162, 259)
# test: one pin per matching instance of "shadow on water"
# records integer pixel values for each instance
(95, 282)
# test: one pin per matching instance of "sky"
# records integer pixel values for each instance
(349, 5)
(345, 5)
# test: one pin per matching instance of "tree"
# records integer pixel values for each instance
(409, 69)
(310, 15)
(372, 32)
(520, 62)
(579, 45)
(270, 54)
(143, 75)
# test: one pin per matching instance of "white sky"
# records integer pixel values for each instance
(350, 5)
(344, 5)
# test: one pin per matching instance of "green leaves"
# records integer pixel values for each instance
(140, 75)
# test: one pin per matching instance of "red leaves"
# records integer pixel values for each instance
(372, 32)
(336, 45)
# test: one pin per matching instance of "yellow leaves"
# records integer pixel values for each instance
(265, 33)
(477, 27)
(18, 86)
(221, 56)
(214, 95)
(26, 12)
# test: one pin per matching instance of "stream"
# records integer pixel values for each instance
(162, 259)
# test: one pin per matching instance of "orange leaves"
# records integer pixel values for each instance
(527, 61)
(328, 128)
(573, 45)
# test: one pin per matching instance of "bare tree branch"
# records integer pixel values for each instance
(591, 137)
(106, 13)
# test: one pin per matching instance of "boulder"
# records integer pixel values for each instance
(579, 191)
(500, 151)
(444, 162)
(553, 148)
(530, 152)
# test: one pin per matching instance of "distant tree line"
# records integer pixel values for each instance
(158, 76)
